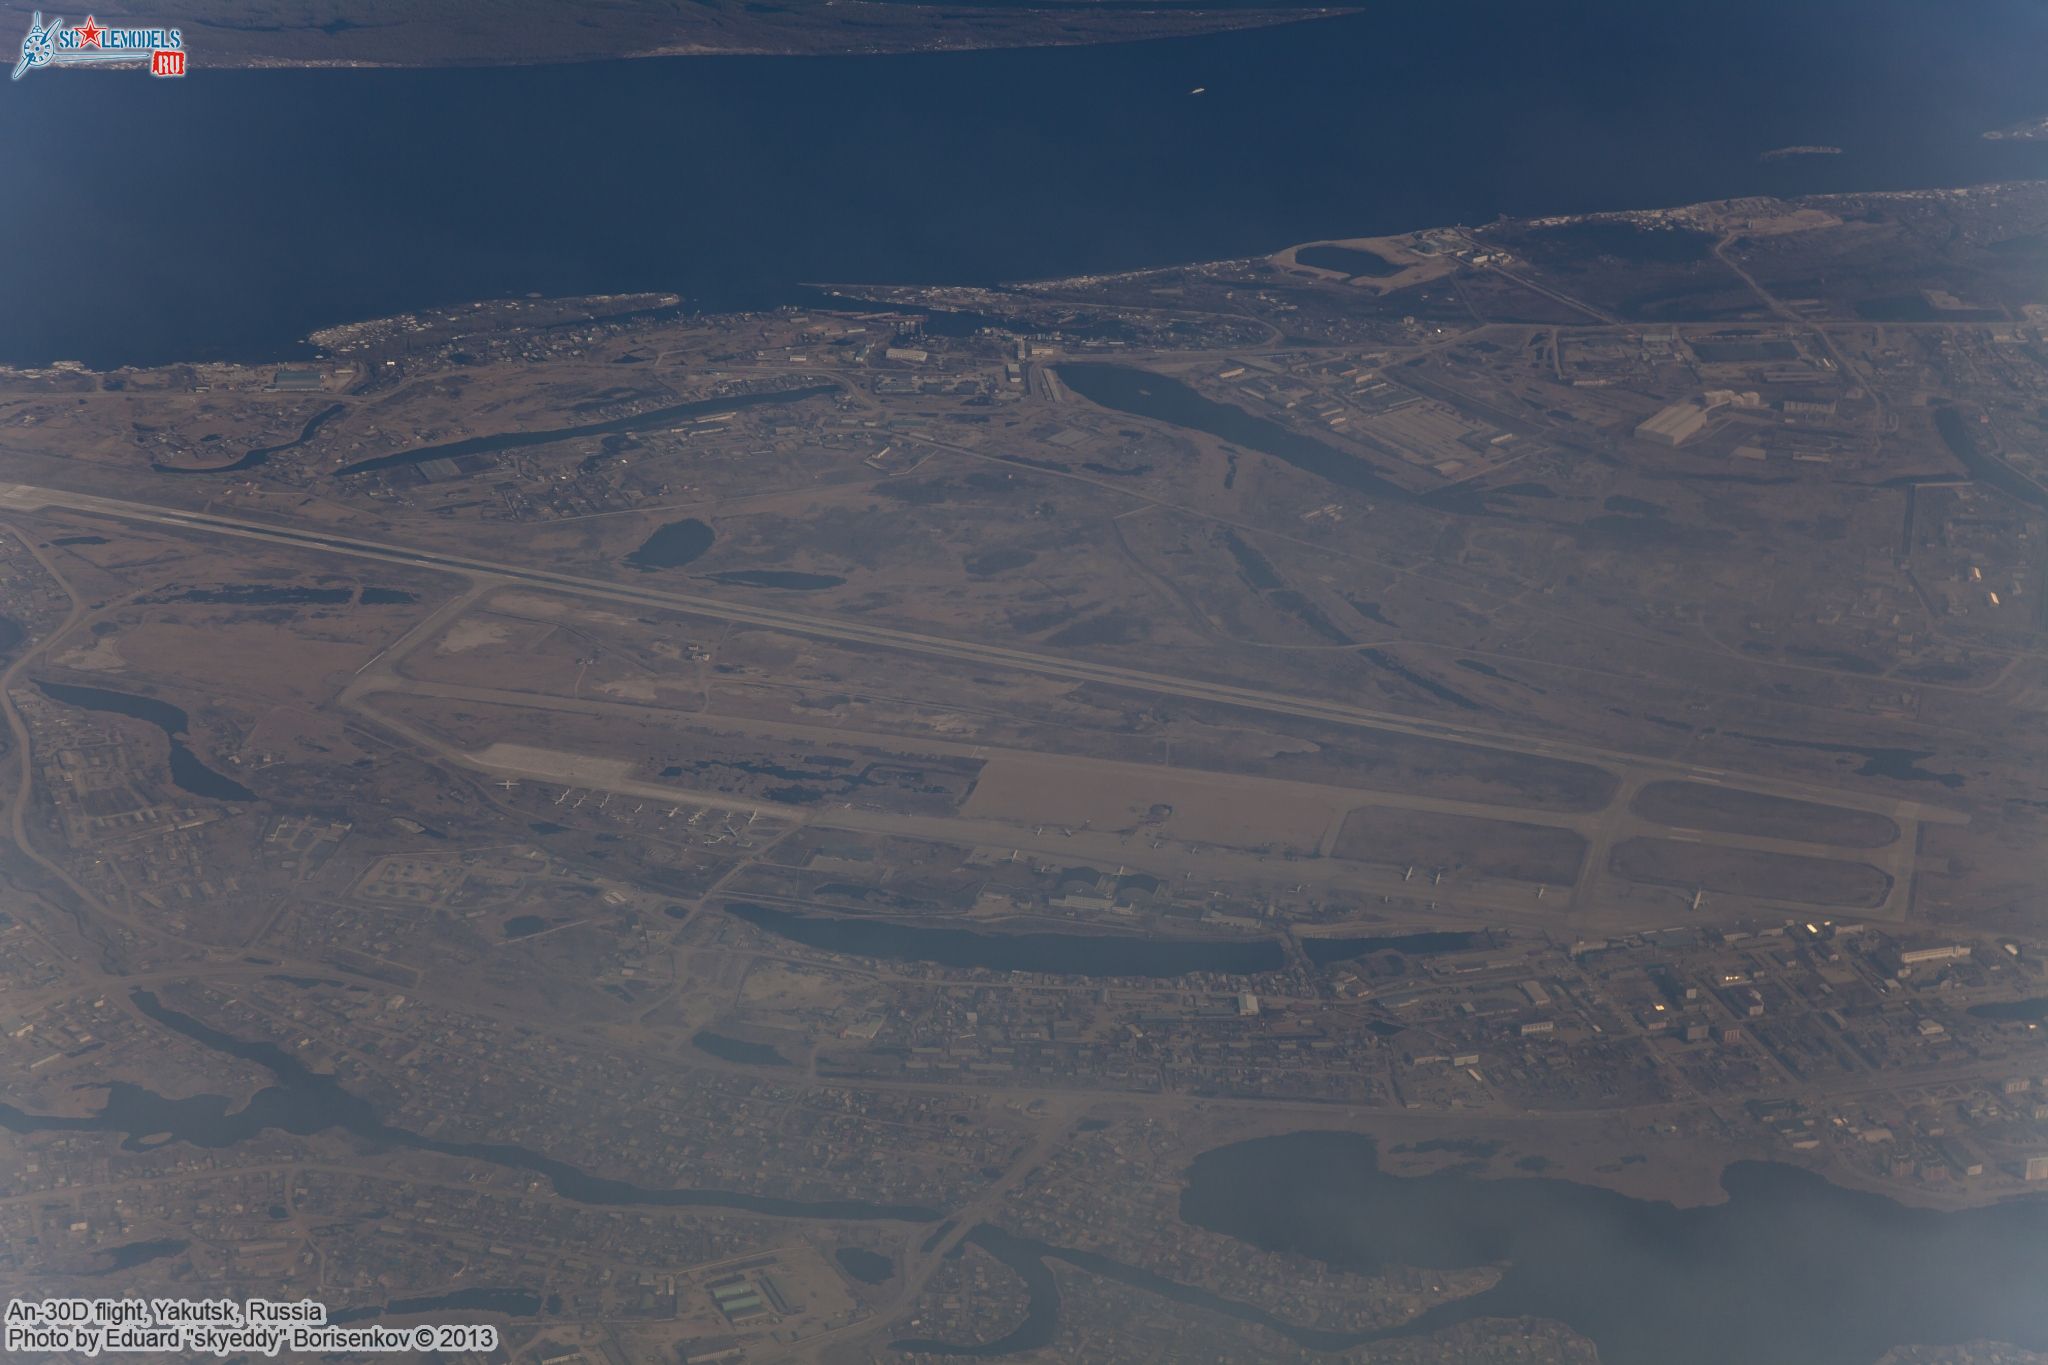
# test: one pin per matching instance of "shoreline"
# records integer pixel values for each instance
(1181, 24)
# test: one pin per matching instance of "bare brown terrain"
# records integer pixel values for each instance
(1498, 848)
(1793, 877)
(1692, 805)
(793, 784)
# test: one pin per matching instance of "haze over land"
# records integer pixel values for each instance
(1196, 761)
(976, 747)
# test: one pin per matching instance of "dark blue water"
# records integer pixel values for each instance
(261, 454)
(138, 1253)
(2013, 1011)
(1082, 955)
(1983, 466)
(673, 545)
(736, 1049)
(1143, 393)
(187, 772)
(229, 213)
(869, 1267)
(639, 421)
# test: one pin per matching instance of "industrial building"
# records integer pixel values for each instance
(1673, 425)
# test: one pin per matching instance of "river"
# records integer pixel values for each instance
(303, 1101)
(1788, 1270)
(639, 421)
(243, 209)
(1143, 393)
(1081, 955)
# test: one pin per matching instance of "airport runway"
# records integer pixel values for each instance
(27, 497)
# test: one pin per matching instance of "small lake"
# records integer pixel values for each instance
(187, 772)
(1901, 765)
(139, 1253)
(868, 1267)
(1351, 260)
(1141, 393)
(1068, 954)
(736, 1049)
(672, 546)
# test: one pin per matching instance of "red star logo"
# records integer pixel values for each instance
(89, 33)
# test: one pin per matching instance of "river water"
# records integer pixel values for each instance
(1078, 955)
(229, 213)
(1788, 1270)
(303, 1101)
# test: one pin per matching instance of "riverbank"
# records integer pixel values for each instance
(363, 34)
